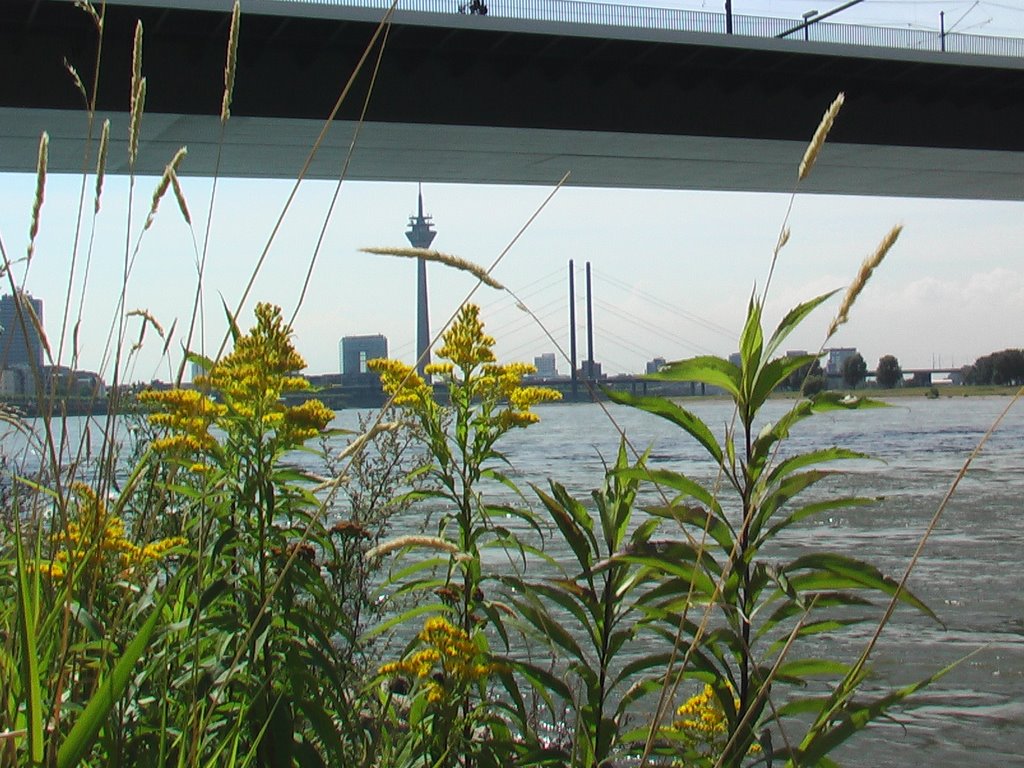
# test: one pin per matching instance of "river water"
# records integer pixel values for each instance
(970, 573)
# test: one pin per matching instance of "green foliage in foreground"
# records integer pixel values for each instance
(205, 615)
(766, 606)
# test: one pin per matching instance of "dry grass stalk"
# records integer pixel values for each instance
(88, 7)
(401, 542)
(37, 324)
(78, 81)
(180, 196)
(229, 67)
(819, 136)
(101, 163)
(138, 96)
(170, 335)
(147, 317)
(135, 123)
(37, 202)
(447, 259)
(170, 171)
(869, 266)
(357, 444)
(136, 64)
(783, 239)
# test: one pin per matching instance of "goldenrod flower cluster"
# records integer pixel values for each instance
(96, 537)
(701, 721)
(467, 360)
(465, 342)
(402, 382)
(188, 416)
(503, 383)
(249, 384)
(450, 661)
(261, 368)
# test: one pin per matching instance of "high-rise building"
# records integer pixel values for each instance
(421, 234)
(357, 351)
(545, 365)
(836, 357)
(20, 344)
(655, 365)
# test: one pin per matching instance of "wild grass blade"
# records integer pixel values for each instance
(83, 733)
(28, 619)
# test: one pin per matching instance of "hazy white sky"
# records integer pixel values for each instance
(672, 271)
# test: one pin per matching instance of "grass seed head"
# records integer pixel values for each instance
(866, 269)
(811, 154)
(447, 259)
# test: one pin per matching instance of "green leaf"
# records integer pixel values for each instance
(236, 334)
(811, 458)
(751, 346)
(542, 679)
(798, 669)
(773, 374)
(773, 433)
(666, 409)
(677, 482)
(109, 690)
(538, 616)
(565, 593)
(838, 571)
(674, 558)
(706, 369)
(793, 319)
(405, 616)
(815, 508)
(699, 518)
(787, 488)
(28, 619)
(566, 521)
(854, 716)
(204, 363)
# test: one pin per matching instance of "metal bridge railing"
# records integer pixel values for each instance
(640, 17)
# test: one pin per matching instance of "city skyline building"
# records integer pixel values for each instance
(420, 235)
(655, 365)
(545, 365)
(836, 357)
(20, 344)
(357, 351)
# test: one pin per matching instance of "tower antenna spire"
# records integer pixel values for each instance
(421, 234)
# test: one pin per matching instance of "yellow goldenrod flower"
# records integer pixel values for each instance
(467, 361)
(249, 383)
(450, 662)
(465, 342)
(93, 538)
(402, 382)
(702, 724)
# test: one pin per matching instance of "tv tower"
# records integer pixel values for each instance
(421, 234)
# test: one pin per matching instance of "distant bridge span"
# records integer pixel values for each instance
(463, 98)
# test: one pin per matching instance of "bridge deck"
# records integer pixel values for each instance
(497, 100)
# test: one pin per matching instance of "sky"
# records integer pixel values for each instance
(672, 271)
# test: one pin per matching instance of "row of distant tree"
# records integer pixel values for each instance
(999, 368)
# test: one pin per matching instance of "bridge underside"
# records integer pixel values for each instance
(471, 99)
(260, 147)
